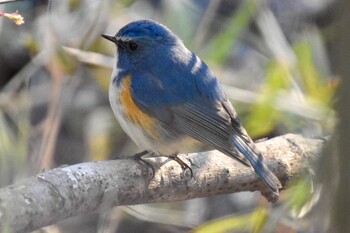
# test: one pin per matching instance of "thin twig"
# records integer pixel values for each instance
(8, 1)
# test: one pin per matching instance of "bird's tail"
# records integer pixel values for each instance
(247, 148)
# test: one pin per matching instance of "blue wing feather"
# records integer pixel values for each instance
(192, 102)
(176, 84)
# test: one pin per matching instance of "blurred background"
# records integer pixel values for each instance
(274, 58)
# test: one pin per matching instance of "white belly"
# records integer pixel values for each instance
(136, 133)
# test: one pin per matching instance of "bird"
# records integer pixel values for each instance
(163, 94)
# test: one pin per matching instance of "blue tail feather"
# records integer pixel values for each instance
(256, 162)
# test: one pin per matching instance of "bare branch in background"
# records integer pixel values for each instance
(286, 103)
(8, 1)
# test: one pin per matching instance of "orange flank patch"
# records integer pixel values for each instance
(133, 112)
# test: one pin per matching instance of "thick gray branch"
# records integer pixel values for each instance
(68, 191)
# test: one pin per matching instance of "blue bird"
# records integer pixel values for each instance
(162, 93)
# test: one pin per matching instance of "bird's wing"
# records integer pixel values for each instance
(203, 112)
(208, 124)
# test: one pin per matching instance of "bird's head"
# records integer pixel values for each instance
(143, 39)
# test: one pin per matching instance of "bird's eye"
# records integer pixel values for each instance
(132, 46)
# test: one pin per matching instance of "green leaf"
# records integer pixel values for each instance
(219, 48)
(316, 89)
(252, 222)
(298, 198)
(264, 115)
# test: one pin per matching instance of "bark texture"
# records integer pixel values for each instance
(72, 190)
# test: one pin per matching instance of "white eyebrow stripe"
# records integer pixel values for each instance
(197, 65)
(134, 38)
(124, 38)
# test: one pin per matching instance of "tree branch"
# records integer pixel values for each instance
(71, 190)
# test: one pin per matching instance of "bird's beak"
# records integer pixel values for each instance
(110, 38)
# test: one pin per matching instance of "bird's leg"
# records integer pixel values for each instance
(138, 157)
(183, 165)
(140, 154)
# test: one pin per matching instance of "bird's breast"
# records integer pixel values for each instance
(147, 132)
(127, 111)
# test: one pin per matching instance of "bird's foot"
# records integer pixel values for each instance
(183, 165)
(138, 157)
